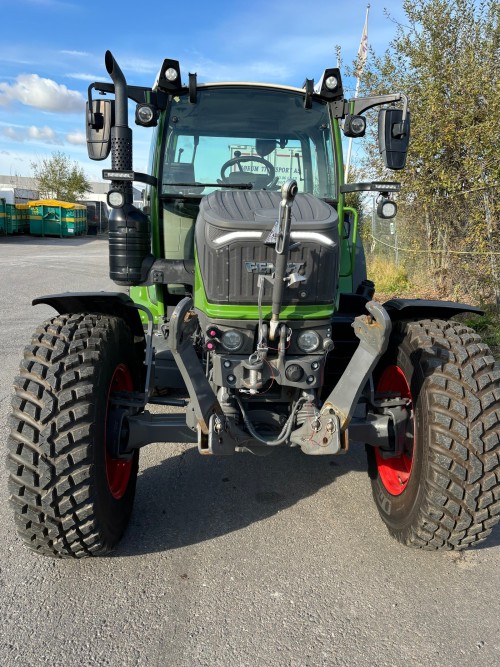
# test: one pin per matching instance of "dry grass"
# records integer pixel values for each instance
(387, 277)
(392, 282)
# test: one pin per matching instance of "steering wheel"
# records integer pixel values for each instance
(241, 176)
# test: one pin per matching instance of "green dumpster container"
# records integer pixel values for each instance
(13, 219)
(74, 220)
(2, 216)
(23, 212)
(50, 217)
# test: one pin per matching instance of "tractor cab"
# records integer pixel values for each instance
(247, 137)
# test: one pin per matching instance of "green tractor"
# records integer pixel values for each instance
(248, 296)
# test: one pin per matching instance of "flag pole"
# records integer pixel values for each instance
(362, 53)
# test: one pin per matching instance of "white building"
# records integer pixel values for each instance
(24, 189)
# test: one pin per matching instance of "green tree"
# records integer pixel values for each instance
(58, 177)
(445, 58)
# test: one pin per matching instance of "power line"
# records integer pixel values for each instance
(439, 252)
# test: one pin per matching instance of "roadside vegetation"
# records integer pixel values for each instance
(488, 326)
(393, 281)
(447, 231)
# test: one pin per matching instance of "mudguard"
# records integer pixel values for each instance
(409, 309)
(109, 303)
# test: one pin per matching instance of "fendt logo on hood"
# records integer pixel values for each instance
(266, 268)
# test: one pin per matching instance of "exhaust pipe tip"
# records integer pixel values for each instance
(109, 62)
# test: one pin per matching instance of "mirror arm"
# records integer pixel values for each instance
(139, 94)
(362, 104)
(102, 87)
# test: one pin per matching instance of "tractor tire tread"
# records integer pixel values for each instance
(48, 456)
(459, 508)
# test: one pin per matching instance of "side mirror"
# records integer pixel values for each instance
(100, 120)
(393, 137)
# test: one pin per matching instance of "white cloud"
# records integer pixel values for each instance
(15, 135)
(81, 76)
(76, 138)
(35, 91)
(78, 54)
(45, 135)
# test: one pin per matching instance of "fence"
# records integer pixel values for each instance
(454, 243)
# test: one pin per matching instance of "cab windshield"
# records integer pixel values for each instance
(249, 138)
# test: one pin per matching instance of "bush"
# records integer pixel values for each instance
(388, 278)
(488, 326)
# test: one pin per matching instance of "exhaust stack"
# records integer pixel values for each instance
(129, 228)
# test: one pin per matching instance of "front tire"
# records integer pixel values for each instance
(70, 497)
(443, 490)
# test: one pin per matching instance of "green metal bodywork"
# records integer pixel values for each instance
(153, 296)
(247, 312)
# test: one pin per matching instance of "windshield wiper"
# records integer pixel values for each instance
(238, 186)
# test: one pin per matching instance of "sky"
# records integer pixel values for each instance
(51, 50)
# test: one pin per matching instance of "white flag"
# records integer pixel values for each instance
(363, 47)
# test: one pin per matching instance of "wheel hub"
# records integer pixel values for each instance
(118, 470)
(394, 471)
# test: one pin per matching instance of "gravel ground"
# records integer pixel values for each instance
(280, 561)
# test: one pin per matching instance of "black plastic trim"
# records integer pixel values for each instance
(372, 186)
(170, 271)
(109, 303)
(403, 309)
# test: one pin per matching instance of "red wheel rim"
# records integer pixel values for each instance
(395, 472)
(118, 471)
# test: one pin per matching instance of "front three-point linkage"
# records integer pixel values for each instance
(327, 434)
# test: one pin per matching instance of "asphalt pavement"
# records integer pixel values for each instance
(241, 561)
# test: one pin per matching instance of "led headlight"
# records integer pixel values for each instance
(231, 340)
(146, 115)
(116, 199)
(294, 372)
(308, 341)
(354, 126)
(386, 209)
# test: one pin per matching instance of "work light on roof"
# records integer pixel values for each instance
(331, 85)
(331, 82)
(171, 74)
(169, 78)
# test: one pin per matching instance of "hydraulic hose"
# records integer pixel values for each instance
(285, 431)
